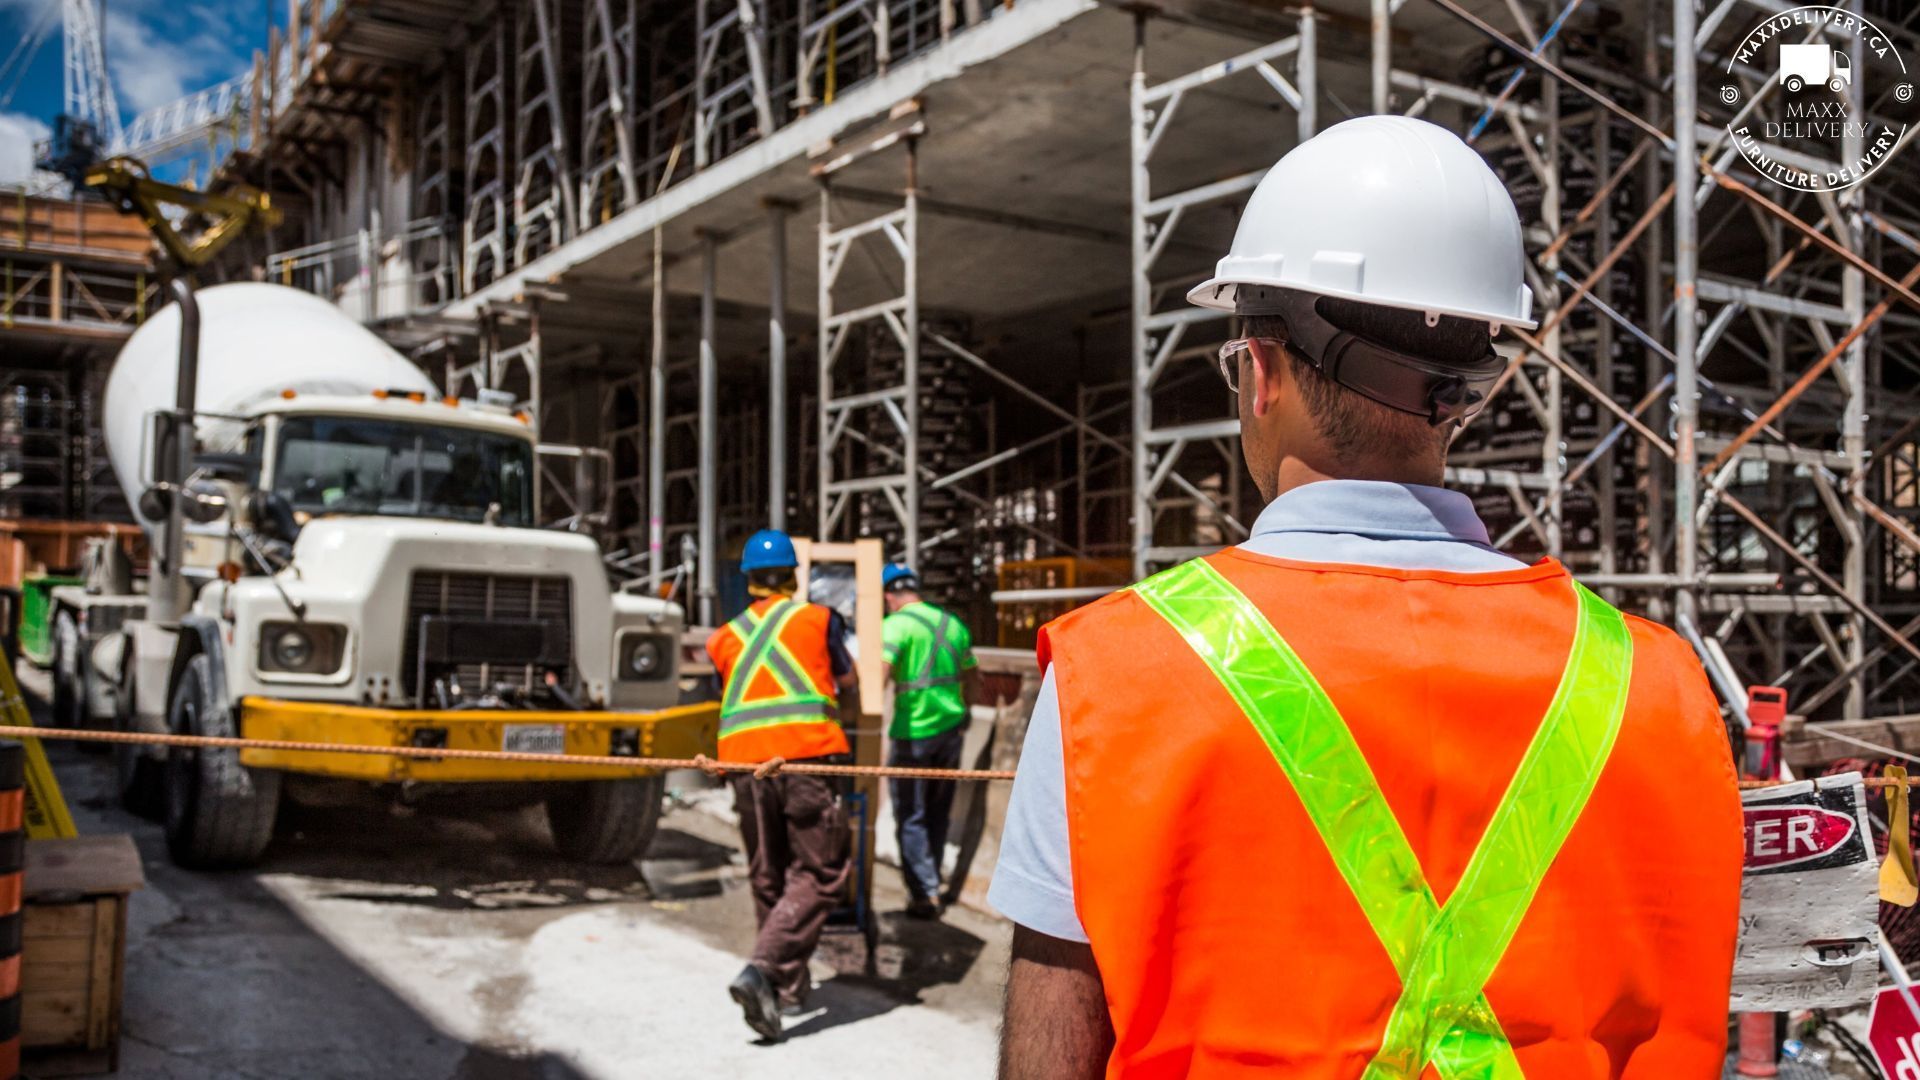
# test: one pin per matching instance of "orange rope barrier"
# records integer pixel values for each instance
(435, 753)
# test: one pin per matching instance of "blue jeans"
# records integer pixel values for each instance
(921, 808)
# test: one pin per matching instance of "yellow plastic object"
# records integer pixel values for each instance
(679, 732)
(46, 811)
(1898, 885)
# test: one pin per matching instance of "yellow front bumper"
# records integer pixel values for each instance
(678, 732)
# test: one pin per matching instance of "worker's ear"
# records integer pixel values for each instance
(1266, 373)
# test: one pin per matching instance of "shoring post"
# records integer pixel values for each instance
(707, 594)
(1686, 269)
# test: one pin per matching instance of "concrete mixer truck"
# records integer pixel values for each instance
(344, 555)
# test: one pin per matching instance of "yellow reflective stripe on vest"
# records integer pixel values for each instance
(797, 699)
(1442, 1015)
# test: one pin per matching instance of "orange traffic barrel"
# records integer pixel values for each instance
(13, 854)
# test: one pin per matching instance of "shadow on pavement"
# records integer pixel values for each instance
(912, 956)
(682, 866)
(224, 980)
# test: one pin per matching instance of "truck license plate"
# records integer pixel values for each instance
(534, 739)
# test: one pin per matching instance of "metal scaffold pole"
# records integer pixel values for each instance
(777, 365)
(709, 524)
(1142, 300)
(1686, 269)
(657, 421)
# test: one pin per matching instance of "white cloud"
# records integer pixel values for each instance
(17, 136)
(147, 70)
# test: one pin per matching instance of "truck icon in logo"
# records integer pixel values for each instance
(1805, 65)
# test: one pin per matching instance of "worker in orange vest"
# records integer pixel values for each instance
(1362, 796)
(789, 692)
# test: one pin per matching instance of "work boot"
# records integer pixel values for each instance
(758, 1003)
(921, 907)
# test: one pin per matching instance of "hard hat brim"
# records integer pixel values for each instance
(1219, 293)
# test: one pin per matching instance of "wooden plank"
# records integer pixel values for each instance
(1804, 745)
(83, 866)
(56, 950)
(37, 975)
(100, 996)
(58, 921)
(55, 1018)
(118, 984)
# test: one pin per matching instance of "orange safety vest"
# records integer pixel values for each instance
(778, 698)
(1231, 938)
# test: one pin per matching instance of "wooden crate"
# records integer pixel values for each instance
(73, 952)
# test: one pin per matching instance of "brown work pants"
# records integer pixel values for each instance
(795, 829)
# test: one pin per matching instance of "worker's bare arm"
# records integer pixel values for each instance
(1056, 1025)
(848, 687)
(970, 686)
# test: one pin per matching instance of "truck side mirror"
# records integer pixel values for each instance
(272, 515)
(200, 504)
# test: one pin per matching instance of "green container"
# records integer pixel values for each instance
(36, 615)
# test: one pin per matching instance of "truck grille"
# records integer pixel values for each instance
(511, 600)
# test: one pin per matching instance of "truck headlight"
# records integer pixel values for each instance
(645, 657)
(306, 648)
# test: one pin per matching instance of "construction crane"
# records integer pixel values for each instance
(226, 214)
(90, 121)
(88, 129)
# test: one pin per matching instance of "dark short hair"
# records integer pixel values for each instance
(773, 577)
(1356, 425)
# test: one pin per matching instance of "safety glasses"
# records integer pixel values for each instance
(1229, 357)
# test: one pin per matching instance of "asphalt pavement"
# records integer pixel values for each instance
(449, 941)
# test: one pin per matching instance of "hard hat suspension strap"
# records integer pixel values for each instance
(1444, 955)
(1442, 393)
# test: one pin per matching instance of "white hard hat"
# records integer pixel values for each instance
(1384, 210)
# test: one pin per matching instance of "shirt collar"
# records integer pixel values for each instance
(1376, 509)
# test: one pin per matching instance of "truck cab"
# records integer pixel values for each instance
(368, 569)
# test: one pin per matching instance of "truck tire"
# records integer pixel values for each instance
(605, 821)
(68, 675)
(219, 813)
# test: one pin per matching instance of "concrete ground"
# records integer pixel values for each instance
(451, 943)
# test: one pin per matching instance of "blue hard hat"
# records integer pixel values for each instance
(768, 549)
(894, 572)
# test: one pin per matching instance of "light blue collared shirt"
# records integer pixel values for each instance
(1356, 522)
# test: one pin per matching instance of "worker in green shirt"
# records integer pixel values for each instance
(930, 664)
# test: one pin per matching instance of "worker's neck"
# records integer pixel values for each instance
(1300, 471)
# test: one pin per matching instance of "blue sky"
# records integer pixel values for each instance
(157, 51)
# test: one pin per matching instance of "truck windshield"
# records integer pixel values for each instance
(352, 465)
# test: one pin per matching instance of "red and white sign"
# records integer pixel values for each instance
(1894, 1034)
(1794, 833)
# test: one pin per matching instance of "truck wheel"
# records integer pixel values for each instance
(1795, 84)
(69, 695)
(219, 813)
(605, 821)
